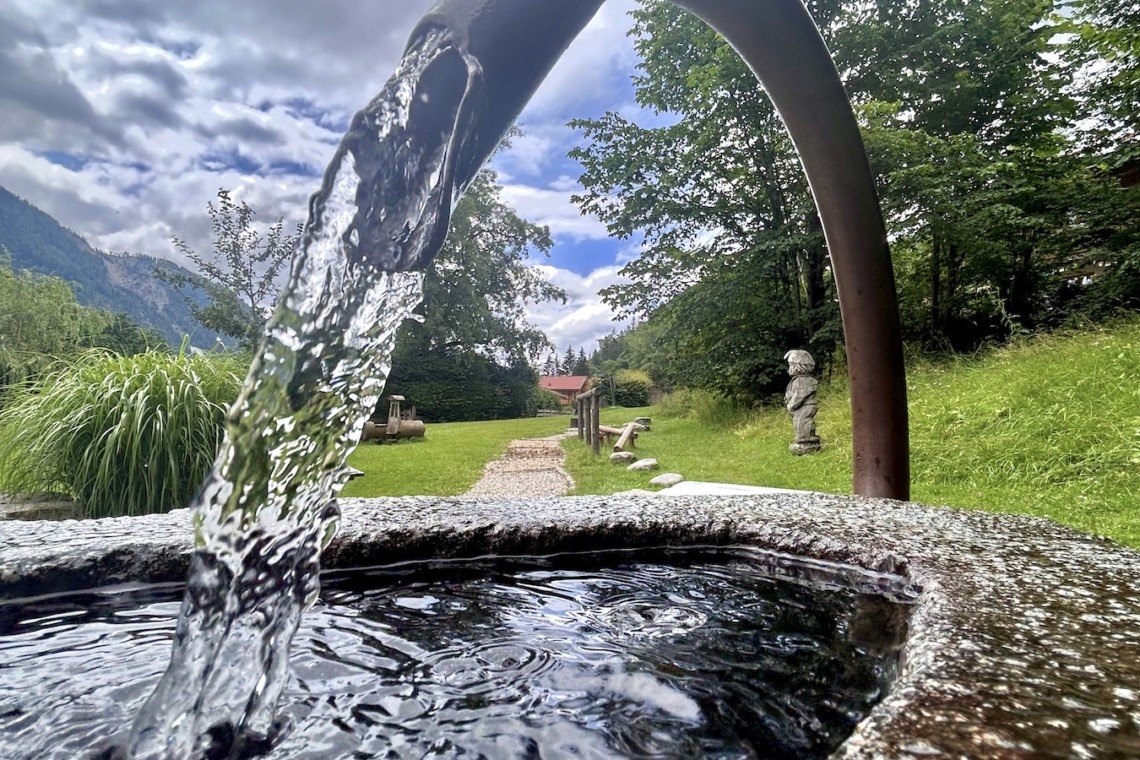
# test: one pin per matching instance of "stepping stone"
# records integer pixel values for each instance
(644, 464)
(623, 457)
(666, 479)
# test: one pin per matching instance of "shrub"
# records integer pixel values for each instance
(706, 407)
(122, 435)
(631, 388)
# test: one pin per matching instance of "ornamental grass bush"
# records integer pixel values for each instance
(121, 435)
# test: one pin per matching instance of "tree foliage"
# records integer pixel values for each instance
(1109, 36)
(123, 336)
(239, 276)
(998, 221)
(40, 323)
(469, 358)
(714, 199)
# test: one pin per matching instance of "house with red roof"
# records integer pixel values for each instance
(566, 387)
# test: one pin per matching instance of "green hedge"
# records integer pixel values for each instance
(631, 388)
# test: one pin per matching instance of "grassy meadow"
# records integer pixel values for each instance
(1047, 427)
(445, 462)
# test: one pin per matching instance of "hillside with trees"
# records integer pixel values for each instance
(35, 242)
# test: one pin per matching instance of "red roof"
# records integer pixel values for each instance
(563, 382)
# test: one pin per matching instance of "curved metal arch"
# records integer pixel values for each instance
(780, 43)
(516, 43)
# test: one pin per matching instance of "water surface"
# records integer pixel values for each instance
(701, 653)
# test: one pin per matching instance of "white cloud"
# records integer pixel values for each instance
(554, 209)
(161, 104)
(125, 118)
(584, 318)
(590, 68)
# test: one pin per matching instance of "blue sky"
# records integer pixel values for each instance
(123, 118)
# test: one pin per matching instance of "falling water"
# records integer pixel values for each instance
(269, 506)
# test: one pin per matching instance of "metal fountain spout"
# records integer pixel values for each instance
(510, 45)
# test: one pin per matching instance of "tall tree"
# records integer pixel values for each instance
(1109, 35)
(964, 105)
(995, 219)
(714, 199)
(469, 355)
(476, 293)
(568, 361)
(581, 363)
(239, 276)
(40, 323)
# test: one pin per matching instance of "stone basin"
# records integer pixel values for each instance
(1024, 640)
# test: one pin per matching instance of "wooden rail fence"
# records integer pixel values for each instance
(587, 413)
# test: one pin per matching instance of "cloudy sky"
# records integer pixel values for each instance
(122, 118)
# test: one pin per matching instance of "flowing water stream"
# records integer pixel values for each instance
(268, 507)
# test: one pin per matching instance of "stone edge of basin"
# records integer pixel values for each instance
(995, 589)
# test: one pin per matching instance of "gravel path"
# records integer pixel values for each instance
(530, 467)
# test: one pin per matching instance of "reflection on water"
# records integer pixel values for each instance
(618, 655)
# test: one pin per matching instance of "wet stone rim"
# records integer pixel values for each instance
(1024, 640)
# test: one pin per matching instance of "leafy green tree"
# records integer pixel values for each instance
(40, 323)
(469, 357)
(125, 337)
(997, 222)
(643, 347)
(475, 295)
(609, 354)
(1104, 233)
(239, 275)
(713, 199)
(1109, 35)
(964, 107)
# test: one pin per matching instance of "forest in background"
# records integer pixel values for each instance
(1003, 135)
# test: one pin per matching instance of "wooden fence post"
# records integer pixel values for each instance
(595, 421)
(588, 417)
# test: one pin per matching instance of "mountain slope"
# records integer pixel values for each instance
(38, 243)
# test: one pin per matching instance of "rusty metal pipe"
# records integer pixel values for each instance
(780, 43)
(517, 41)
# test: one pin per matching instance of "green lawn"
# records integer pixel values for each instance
(745, 449)
(446, 462)
(1050, 427)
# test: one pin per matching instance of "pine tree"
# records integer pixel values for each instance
(568, 362)
(581, 364)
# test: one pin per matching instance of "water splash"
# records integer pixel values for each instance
(268, 507)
